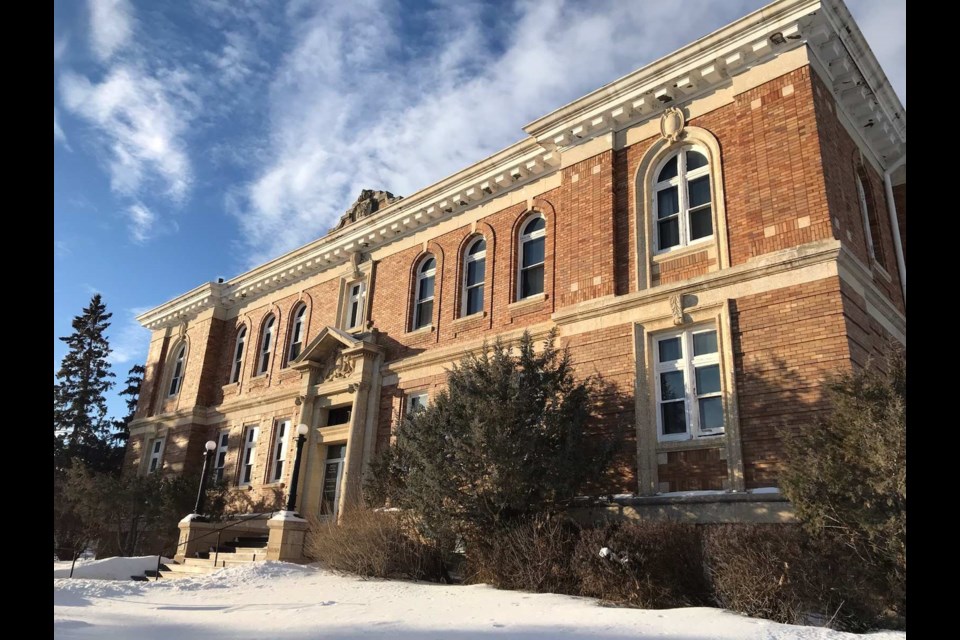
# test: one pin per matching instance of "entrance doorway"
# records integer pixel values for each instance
(332, 477)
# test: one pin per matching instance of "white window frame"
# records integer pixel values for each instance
(176, 376)
(280, 442)
(469, 259)
(522, 241)
(419, 398)
(297, 332)
(688, 364)
(220, 456)
(681, 182)
(155, 455)
(417, 301)
(248, 457)
(239, 348)
(865, 214)
(266, 344)
(356, 293)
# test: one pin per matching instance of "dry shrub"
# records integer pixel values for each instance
(376, 544)
(760, 570)
(532, 555)
(653, 565)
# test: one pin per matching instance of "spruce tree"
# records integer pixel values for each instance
(132, 392)
(506, 439)
(80, 424)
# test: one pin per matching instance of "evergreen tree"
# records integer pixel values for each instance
(507, 438)
(80, 424)
(132, 392)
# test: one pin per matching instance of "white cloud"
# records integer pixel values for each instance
(111, 26)
(59, 48)
(142, 118)
(61, 249)
(128, 340)
(354, 105)
(58, 134)
(142, 222)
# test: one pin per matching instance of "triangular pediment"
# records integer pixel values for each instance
(320, 350)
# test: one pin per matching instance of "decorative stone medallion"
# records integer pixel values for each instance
(672, 123)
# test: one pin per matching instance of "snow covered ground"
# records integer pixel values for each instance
(285, 601)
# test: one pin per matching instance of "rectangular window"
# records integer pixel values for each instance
(354, 311)
(417, 401)
(689, 394)
(220, 461)
(156, 454)
(339, 415)
(280, 438)
(249, 455)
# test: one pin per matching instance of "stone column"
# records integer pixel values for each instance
(192, 538)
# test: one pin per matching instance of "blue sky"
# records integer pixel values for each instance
(196, 139)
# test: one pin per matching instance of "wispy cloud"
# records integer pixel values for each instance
(61, 249)
(111, 26)
(354, 104)
(58, 134)
(142, 222)
(128, 339)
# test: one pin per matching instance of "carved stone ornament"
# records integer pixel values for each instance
(368, 203)
(672, 123)
(676, 308)
(340, 366)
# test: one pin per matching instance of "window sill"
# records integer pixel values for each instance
(273, 485)
(527, 302)
(467, 319)
(696, 246)
(703, 442)
(421, 331)
(880, 270)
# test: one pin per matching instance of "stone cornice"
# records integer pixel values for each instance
(825, 26)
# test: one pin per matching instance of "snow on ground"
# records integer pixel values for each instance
(286, 602)
(108, 568)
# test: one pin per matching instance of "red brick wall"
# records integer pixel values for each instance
(693, 470)
(785, 343)
(841, 160)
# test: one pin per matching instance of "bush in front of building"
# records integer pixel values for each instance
(505, 439)
(532, 554)
(846, 476)
(374, 544)
(648, 564)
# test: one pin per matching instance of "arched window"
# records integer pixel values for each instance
(423, 301)
(682, 203)
(532, 246)
(474, 272)
(176, 378)
(238, 354)
(297, 332)
(266, 344)
(871, 225)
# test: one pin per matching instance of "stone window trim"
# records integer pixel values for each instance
(645, 202)
(662, 322)
(417, 398)
(299, 315)
(523, 238)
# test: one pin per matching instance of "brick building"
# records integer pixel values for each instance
(714, 233)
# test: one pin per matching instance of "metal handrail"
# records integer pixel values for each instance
(218, 531)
